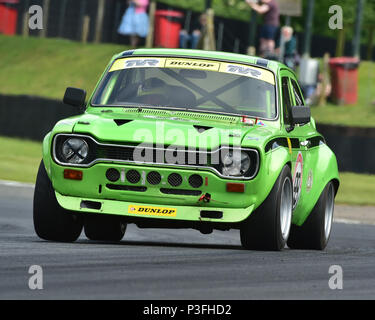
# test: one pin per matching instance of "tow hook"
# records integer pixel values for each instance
(205, 198)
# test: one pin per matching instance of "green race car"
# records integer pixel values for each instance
(189, 139)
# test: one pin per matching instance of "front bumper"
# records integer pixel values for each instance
(94, 185)
(122, 208)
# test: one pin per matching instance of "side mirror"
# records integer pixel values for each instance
(75, 97)
(301, 115)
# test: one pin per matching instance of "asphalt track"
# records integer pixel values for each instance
(175, 264)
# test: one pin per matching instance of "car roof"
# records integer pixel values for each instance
(274, 66)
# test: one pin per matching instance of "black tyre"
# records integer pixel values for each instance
(104, 227)
(52, 222)
(268, 227)
(315, 232)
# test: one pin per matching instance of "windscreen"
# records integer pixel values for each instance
(189, 84)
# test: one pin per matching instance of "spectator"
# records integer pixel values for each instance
(288, 54)
(313, 93)
(270, 10)
(135, 21)
(191, 40)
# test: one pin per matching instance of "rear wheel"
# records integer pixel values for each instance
(268, 227)
(51, 221)
(104, 227)
(315, 232)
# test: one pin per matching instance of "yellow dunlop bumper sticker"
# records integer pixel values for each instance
(152, 211)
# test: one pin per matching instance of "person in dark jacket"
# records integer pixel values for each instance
(271, 22)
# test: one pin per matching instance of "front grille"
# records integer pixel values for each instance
(174, 179)
(181, 192)
(153, 154)
(115, 153)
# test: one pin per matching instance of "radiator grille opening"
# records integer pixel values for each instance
(133, 176)
(153, 178)
(174, 179)
(126, 188)
(211, 214)
(195, 181)
(112, 175)
(181, 192)
(85, 204)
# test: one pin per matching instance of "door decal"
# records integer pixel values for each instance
(297, 179)
(309, 181)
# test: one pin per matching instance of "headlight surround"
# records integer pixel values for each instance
(236, 163)
(74, 150)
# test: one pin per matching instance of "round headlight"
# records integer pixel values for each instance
(75, 150)
(236, 163)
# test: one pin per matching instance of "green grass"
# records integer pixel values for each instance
(45, 67)
(356, 189)
(361, 114)
(19, 161)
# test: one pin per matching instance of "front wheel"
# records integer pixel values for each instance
(51, 221)
(315, 232)
(268, 227)
(104, 227)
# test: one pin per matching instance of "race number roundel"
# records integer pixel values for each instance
(297, 179)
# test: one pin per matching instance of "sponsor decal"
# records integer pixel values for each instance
(247, 121)
(242, 70)
(141, 63)
(192, 64)
(309, 182)
(297, 179)
(130, 63)
(152, 211)
(205, 65)
(248, 71)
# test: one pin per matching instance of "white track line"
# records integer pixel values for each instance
(16, 184)
(349, 221)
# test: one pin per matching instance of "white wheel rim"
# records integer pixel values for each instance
(286, 205)
(328, 216)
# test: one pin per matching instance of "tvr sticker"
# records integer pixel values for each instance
(243, 70)
(141, 63)
(129, 63)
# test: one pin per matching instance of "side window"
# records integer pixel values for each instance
(287, 101)
(297, 94)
